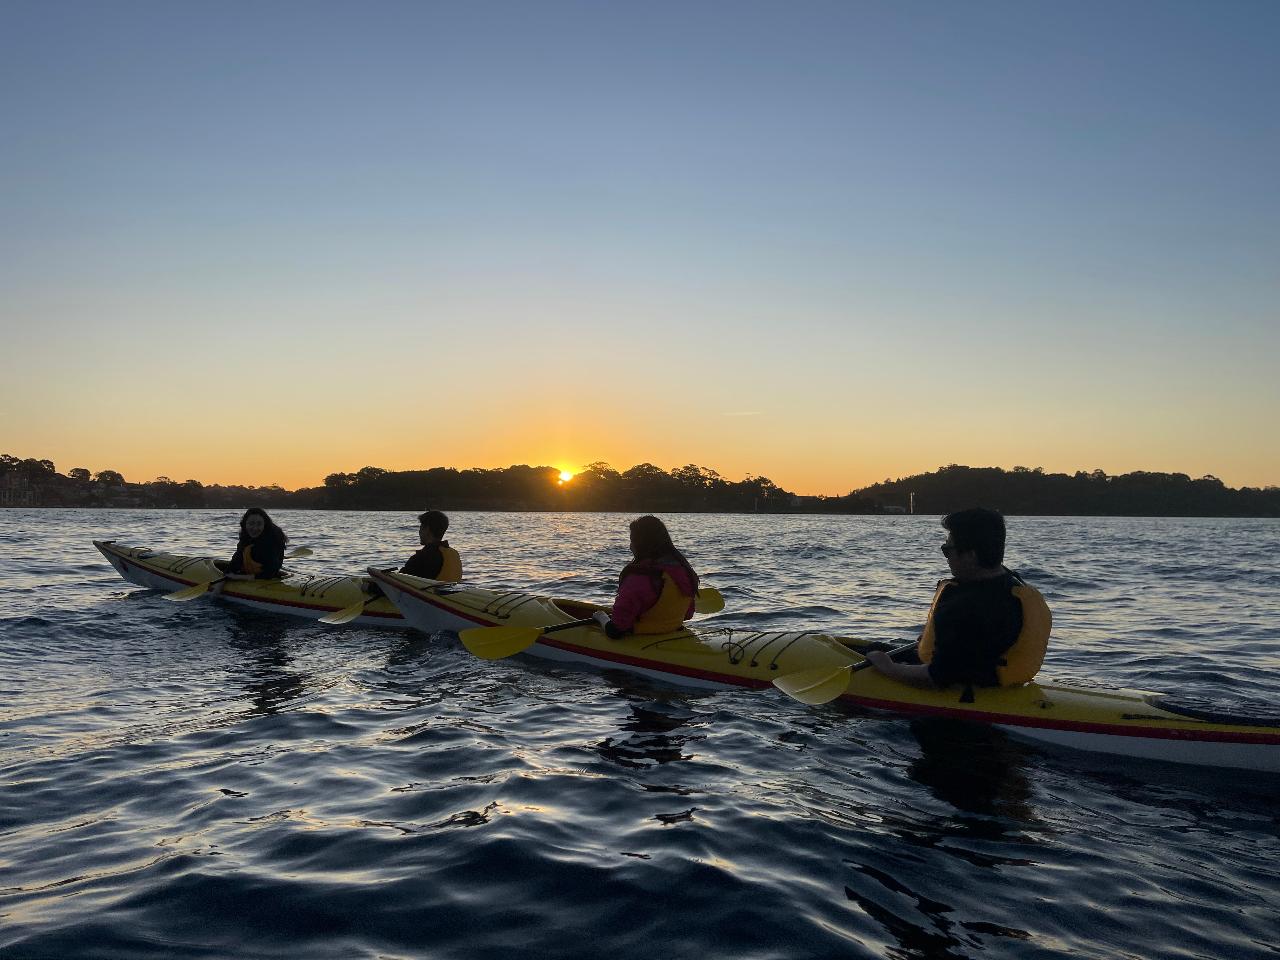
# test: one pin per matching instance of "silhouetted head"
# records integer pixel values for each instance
(976, 531)
(255, 523)
(649, 539)
(651, 543)
(433, 522)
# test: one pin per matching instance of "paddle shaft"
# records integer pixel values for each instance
(295, 554)
(347, 614)
(866, 664)
(569, 625)
(495, 643)
(200, 589)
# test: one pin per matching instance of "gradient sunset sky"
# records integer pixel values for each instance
(828, 243)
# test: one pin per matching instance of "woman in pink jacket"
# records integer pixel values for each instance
(656, 590)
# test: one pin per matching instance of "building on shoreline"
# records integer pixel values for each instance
(17, 491)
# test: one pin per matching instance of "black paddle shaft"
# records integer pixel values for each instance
(865, 664)
(569, 625)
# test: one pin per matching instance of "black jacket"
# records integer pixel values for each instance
(426, 563)
(267, 550)
(974, 624)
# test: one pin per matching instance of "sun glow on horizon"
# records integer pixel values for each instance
(566, 476)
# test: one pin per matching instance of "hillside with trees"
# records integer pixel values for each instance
(37, 483)
(1032, 492)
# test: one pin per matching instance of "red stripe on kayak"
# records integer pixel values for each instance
(427, 598)
(125, 561)
(305, 606)
(1074, 726)
(656, 666)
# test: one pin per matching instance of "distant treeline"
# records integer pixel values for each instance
(1032, 492)
(37, 483)
(649, 489)
(598, 487)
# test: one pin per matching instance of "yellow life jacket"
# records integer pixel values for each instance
(249, 564)
(924, 649)
(1021, 661)
(451, 569)
(668, 613)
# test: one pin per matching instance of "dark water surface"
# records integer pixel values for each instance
(187, 780)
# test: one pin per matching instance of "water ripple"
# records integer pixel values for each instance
(188, 780)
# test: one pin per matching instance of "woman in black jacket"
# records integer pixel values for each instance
(260, 553)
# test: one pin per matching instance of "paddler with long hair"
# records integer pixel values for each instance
(986, 626)
(260, 550)
(656, 590)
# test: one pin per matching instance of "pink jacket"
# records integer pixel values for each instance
(637, 593)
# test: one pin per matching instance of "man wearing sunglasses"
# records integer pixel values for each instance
(975, 631)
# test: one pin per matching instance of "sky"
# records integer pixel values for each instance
(826, 243)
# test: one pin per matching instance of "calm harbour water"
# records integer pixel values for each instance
(189, 780)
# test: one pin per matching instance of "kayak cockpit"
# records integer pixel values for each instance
(576, 609)
(1248, 714)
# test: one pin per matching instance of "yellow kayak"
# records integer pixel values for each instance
(294, 594)
(698, 658)
(1125, 722)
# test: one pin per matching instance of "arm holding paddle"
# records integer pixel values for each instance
(913, 674)
(259, 560)
(707, 600)
(259, 553)
(636, 594)
(215, 585)
(605, 623)
(263, 559)
(822, 685)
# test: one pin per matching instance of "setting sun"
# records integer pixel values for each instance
(566, 476)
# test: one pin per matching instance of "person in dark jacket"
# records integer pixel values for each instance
(975, 618)
(260, 551)
(656, 590)
(436, 560)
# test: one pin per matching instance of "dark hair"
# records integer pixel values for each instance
(269, 528)
(651, 543)
(979, 530)
(436, 522)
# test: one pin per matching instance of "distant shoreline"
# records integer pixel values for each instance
(646, 488)
(723, 513)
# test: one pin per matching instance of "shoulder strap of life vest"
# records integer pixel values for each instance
(924, 649)
(451, 567)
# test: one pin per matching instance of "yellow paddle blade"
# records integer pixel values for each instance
(299, 552)
(494, 643)
(820, 685)
(191, 592)
(346, 614)
(708, 600)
